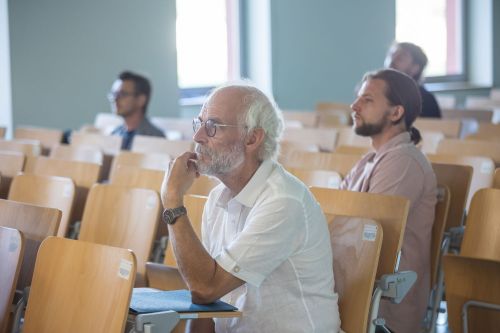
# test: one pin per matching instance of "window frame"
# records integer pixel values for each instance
(464, 76)
(196, 95)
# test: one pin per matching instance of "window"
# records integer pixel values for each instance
(437, 26)
(207, 45)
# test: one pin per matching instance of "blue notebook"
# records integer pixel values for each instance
(147, 300)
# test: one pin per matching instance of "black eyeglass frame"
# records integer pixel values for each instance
(210, 126)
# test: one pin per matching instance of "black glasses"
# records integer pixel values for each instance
(210, 126)
(113, 96)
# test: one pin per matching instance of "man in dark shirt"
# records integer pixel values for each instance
(129, 99)
(411, 60)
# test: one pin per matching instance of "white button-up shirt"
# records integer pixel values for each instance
(274, 236)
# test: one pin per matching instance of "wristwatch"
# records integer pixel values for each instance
(170, 215)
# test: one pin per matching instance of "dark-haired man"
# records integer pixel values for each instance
(388, 103)
(129, 98)
(411, 60)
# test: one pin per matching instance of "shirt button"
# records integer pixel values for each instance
(236, 269)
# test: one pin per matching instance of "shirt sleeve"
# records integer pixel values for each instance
(272, 232)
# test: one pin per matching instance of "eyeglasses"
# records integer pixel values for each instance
(210, 126)
(113, 96)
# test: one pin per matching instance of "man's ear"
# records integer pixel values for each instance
(141, 101)
(414, 69)
(255, 138)
(397, 113)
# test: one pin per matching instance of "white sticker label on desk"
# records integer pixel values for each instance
(67, 191)
(125, 268)
(487, 167)
(370, 232)
(151, 203)
(333, 182)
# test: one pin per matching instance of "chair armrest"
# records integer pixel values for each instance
(164, 277)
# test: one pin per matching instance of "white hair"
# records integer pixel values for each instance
(261, 112)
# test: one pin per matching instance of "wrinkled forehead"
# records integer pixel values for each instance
(226, 104)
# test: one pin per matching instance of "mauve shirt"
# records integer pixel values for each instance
(400, 168)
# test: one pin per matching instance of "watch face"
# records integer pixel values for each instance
(168, 216)
(171, 215)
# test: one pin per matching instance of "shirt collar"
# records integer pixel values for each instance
(399, 139)
(249, 194)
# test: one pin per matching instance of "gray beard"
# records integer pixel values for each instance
(221, 163)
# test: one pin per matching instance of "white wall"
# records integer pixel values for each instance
(5, 89)
(66, 53)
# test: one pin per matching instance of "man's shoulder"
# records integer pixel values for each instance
(148, 128)
(404, 155)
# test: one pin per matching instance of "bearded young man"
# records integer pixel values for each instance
(266, 246)
(388, 103)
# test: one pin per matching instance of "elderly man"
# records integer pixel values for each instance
(411, 60)
(386, 107)
(266, 247)
(129, 98)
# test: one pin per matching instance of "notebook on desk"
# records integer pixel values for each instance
(148, 300)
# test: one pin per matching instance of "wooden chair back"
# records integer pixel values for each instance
(482, 174)
(150, 144)
(154, 161)
(3, 131)
(194, 205)
(46, 191)
(451, 128)
(489, 149)
(123, 217)
(488, 131)
(318, 178)
(107, 122)
(430, 141)
(333, 114)
(457, 179)
(84, 175)
(36, 223)
(287, 147)
(203, 185)
(81, 153)
(438, 227)
(306, 118)
(356, 245)
(347, 137)
(496, 178)
(175, 128)
(342, 163)
(11, 252)
(332, 106)
(109, 144)
(390, 211)
(11, 163)
(324, 138)
(132, 176)
(484, 116)
(27, 147)
(482, 231)
(353, 150)
(47, 137)
(333, 118)
(80, 287)
(446, 101)
(471, 278)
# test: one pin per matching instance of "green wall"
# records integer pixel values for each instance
(321, 48)
(66, 53)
